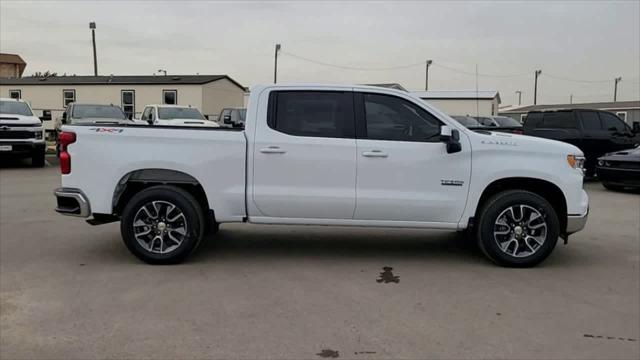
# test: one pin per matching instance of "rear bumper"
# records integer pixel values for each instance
(72, 202)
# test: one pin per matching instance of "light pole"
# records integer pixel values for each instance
(92, 26)
(426, 78)
(535, 87)
(615, 88)
(519, 97)
(275, 64)
(163, 71)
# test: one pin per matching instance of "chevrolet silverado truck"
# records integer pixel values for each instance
(175, 115)
(324, 155)
(21, 132)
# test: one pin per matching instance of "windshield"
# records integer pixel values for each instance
(170, 113)
(97, 111)
(485, 121)
(15, 107)
(467, 121)
(506, 121)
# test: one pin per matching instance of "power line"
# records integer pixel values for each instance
(352, 67)
(479, 74)
(576, 80)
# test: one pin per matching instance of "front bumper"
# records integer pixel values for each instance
(620, 177)
(72, 202)
(22, 148)
(576, 223)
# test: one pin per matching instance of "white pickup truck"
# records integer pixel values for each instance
(325, 155)
(175, 115)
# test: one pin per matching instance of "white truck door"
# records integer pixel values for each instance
(404, 172)
(305, 156)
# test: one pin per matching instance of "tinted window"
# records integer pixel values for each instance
(591, 121)
(485, 121)
(15, 107)
(466, 121)
(393, 118)
(611, 123)
(312, 113)
(533, 120)
(559, 120)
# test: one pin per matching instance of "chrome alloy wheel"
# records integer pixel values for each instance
(160, 227)
(520, 230)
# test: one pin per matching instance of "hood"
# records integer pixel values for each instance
(13, 119)
(525, 143)
(624, 155)
(188, 122)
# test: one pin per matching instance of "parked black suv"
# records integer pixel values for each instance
(595, 132)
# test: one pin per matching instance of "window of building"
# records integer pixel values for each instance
(170, 97)
(392, 118)
(591, 121)
(15, 94)
(611, 123)
(622, 115)
(128, 100)
(312, 113)
(68, 96)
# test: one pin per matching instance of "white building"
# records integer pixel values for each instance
(463, 102)
(209, 93)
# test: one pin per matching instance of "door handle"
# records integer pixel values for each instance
(272, 150)
(375, 153)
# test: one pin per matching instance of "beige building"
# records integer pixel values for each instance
(463, 102)
(11, 65)
(209, 93)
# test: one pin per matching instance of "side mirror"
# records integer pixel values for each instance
(451, 137)
(46, 115)
(636, 127)
(64, 117)
(227, 119)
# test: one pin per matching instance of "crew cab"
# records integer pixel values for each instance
(595, 132)
(21, 132)
(175, 115)
(325, 155)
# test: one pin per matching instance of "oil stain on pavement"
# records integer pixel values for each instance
(387, 276)
(328, 353)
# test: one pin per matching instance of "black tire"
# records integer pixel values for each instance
(184, 202)
(497, 205)
(612, 187)
(37, 158)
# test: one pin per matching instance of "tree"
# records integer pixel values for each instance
(45, 74)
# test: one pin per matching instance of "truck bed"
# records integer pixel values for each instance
(105, 154)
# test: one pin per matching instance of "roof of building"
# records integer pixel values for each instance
(389, 85)
(11, 59)
(457, 94)
(119, 80)
(609, 105)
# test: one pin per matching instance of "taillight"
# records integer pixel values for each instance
(64, 140)
(518, 131)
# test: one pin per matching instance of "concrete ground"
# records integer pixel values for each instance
(69, 290)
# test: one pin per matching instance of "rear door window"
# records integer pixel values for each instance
(591, 121)
(559, 120)
(533, 120)
(312, 113)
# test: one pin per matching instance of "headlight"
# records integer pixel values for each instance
(600, 163)
(39, 135)
(576, 161)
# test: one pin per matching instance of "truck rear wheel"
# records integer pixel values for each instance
(162, 225)
(37, 158)
(517, 228)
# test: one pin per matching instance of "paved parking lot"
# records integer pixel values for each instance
(70, 290)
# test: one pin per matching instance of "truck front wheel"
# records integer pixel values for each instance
(162, 224)
(517, 228)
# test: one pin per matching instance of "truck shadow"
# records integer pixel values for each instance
(309, 242)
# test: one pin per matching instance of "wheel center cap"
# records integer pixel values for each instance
(518, 230)
(162, 226)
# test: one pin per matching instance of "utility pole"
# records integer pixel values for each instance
(426, 80)
(92, 26)
(535, 87)
(519, 97)
(275, 65)
(615, 88)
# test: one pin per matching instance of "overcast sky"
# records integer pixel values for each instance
(588, 41)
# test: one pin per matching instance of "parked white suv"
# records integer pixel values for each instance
(175, 115)
(21, 132)
(325, 155)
